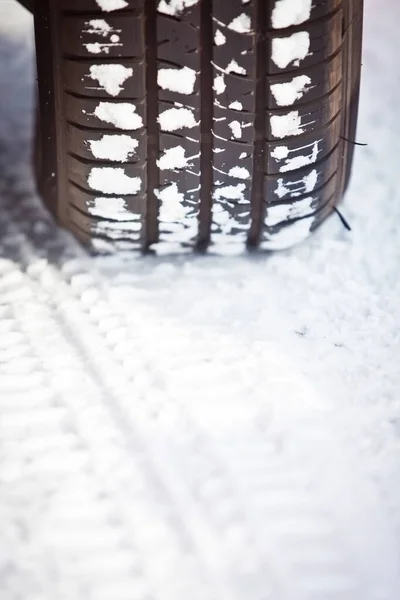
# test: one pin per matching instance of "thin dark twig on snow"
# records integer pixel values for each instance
(343, 220)
(352, 142)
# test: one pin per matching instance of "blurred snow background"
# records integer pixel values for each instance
(204, 427)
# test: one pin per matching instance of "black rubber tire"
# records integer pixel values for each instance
(248, 142)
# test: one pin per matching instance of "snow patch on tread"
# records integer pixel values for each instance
(180, 80)
(230, 192)
(175, 7)
(219, 38)
(219, 84)
(288, 235)
(111, 208)
(111, 5)
(113, 180)
(286, 125)
(111, 77)
(236, 129)
(118, 148)
(287, 13)
(241, 24)
(297, 162)
(177, 220)
(239, 173)
(173, 119)
(234, 67)
(173, 158)
(286, 94)
(290, 49)
(279, 213)
(98, 26)
(304, 185)
(122, 115)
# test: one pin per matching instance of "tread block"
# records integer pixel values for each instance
(106, 37)
(240, 155)
(233, 125)
(125, 79)
(305, 118)
(300, 207)
(172, 92)
(316, 9)
(297, 152)
(304, 85)
(177, 43)
(291, 232)
(180, 12)
(310, 45)
(180, 120)
(120, 208)
(302, 181)
(128, 179)
(228, 88)
(110, 146)
(105, 114)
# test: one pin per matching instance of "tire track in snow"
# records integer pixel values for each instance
(282, 511)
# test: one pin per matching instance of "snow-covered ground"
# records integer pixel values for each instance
(205, 428)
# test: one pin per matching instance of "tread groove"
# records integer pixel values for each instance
(206, 117)
(257, 189)
(152, 224)
(116, 130)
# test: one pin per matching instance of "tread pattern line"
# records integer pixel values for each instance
(257, 191)
(206, 112)
(152, 204)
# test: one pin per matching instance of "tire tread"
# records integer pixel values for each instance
(242, 158)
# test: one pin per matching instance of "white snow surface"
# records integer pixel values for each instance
(202, 427)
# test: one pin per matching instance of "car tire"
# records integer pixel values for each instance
(196, 124)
